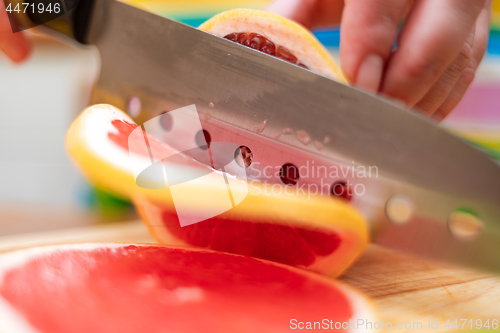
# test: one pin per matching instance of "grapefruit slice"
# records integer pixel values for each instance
(275, 35)
(149, 288)
(318, 233)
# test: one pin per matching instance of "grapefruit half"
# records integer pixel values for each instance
(318, 233)
(150, 288)
(275, 35)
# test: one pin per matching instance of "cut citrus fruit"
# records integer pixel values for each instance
(152, 288)
(274, 35)
(318, 233)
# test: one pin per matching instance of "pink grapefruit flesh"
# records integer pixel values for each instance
(257, 238)
(149, 288)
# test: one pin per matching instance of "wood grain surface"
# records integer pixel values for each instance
(404, 288)
(409, 289)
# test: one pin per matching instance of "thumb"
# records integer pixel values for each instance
(14, 45)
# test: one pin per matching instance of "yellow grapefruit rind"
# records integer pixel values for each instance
(295, 210)
(281, 31)
(117, 180)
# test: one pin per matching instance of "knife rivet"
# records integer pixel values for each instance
(134, 107)
(464, 224)
(399, 209)
(243, 156)
(211, 104)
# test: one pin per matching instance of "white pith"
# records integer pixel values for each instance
(362, 307)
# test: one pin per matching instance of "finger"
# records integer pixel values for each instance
(14, 45)
(445, 84)
(429, 42)
(309, 13)
(479, 49)
(369, 28)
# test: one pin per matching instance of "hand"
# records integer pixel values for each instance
(14, 45)
(439, 47)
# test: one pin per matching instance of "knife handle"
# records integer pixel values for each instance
(70, 18)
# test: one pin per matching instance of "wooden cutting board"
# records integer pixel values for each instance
(410, 289)
(404, 288)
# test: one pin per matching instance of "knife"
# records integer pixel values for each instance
(434, 195)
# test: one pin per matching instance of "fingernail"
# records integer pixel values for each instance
(370, 73)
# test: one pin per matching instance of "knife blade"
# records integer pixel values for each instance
(423, 171)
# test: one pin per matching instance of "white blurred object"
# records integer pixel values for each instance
(38, 101)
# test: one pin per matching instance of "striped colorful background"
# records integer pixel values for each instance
(477, 118)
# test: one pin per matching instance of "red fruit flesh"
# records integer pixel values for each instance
(262, 44)
(276, 242)
(122, 137)
(161, 289)
(342, 190)
(124, 129)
